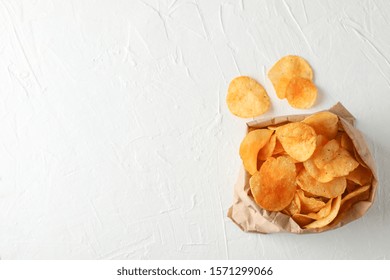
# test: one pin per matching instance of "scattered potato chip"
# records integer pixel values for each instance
(273, 186)
(331, 189)
(301, 93)
(360, 175)
(246, 98)
(324, 123)
(287, 68)
(250, 147)
(268, 149)
(309, 204)
(329, 218)
(297, 139)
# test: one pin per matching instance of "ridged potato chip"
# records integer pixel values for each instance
(301, 93)
(250, 147)
(336, 203)
(331, 189)
(298, 140)
(324, 123)
(287, 68)
(246, 98)
(273, 186)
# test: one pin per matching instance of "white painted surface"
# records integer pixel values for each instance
(115, 140)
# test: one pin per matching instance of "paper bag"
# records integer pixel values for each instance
(251, 218)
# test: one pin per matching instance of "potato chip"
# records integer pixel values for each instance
(324, 123)
(299, 166)
(273, 186)
(278, 148)
(331, 189)
(287, 68)
(309, 204)
(294, 207)
(329, 218)
(301, 93)
(326, 153)
(354, 194)
(302, 219)
(341, 165)
(250, 147)
(297, 139)
(246, 98)
(268, 149)
(360, 175)
(316, 173)
(324, 211)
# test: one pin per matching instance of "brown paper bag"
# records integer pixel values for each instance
(252, 218)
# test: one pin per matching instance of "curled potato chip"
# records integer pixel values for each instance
(336, 203)
(250, 146)
(324, 211)
(273, 186)
(246, 98)
(301, 93)
(324, 123)
(309, 204)
(331, 189)
(297, 139)
(356, 193)
(268, 149)
(360, 175)
(287, 68)
(302, 219)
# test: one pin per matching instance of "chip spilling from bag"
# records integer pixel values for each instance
(307, 170)
(292, 78)
(246, 98)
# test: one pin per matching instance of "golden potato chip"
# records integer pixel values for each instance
(287, 68)
(316, 173)
(268, 149)
(294, 207)
(302, 219)
(309, 204)
(246, 98)
(341, 165)
(360, 175)
(250, 147)
(301, 93)
(331, 189)
(297, 139)
(324, 211)
(326, 153)
(329, 218)
(324, 123)
(275, 126)
(273, 186)
(299, 166)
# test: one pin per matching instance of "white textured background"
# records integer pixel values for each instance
(115, 140)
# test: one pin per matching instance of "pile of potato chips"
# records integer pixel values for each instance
(309, 170)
